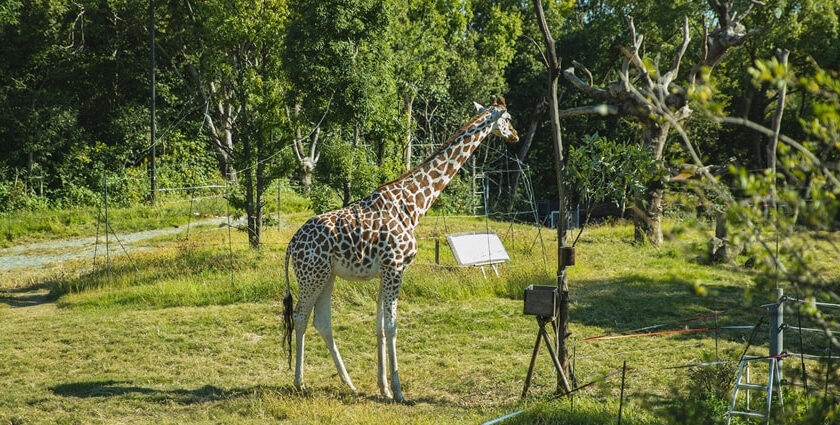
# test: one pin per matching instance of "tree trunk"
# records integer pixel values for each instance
(756, 107)
(562, 321)
(347, 185)
(256, 238)
(524, 147)
(306, 180)
(648, 206)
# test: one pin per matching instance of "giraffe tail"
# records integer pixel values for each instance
(287, 310)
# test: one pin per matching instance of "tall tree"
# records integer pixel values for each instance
(337, 55)
(237, 76)
(639, 74)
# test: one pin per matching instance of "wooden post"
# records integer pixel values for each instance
(552, 64)
(531, 366)
(437, 251)
(542, 334)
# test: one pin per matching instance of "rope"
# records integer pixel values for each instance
(659, 325)
(212, 186)
(678, 331)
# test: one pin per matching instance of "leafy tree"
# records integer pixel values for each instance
(337, 57)
(233, 57)
(603, 170)
(643, 90)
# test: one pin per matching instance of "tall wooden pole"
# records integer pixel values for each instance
(152, 141)
(552, 64)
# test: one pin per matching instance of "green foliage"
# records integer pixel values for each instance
(601, 170)
(324, 199)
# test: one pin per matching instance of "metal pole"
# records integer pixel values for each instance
(152, 141)
(827, 371)
(716, 337)
(777, 324)
(747, 366)
(189, 214)
(621, 397)
(574, 374)
(278, 205)
(107, 241)
(230, 243)
(96, 243)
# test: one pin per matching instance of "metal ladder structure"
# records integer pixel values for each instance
(774, 377)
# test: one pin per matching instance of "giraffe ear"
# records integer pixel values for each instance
(478, 106)
(502, 101)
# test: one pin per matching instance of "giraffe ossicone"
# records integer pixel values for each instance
(374, 238)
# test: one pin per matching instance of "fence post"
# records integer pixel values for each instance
(437, 251)
(827, 371)
(107, 225)
(777, 326)
(621, 397)
(230, 243)
(716, 336)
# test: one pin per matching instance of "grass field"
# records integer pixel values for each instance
(192, 335)
(24, 226)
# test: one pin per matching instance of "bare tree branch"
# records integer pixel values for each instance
(675, 67)
(539, 49)
(595, 92)
(584, 69)
(602, 109)
(632, 54)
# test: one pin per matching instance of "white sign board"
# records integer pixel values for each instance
(477, 248)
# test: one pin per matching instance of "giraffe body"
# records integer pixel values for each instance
(374, 238)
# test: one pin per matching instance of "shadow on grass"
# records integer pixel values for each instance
(635, 301)
(210, 393)
(206, 393)
(28, 296)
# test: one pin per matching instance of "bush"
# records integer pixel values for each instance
(324, 199)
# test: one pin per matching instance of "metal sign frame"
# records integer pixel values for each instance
(477, 248)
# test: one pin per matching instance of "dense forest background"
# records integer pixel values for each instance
(337, 97)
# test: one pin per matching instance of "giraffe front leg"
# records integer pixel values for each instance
(323, 322)
(391, 291)
(382, 378)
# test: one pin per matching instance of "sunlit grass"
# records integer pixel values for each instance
(171, 210)
(193, 335)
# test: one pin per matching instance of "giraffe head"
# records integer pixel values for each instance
(501, 119)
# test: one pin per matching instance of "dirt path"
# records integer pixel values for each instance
(42, 253)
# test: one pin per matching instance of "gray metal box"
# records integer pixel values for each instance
(541, 300)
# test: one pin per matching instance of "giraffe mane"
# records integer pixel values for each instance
(440, 149)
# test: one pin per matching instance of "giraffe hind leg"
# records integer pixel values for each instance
(310, 286)
(381, 357)
(323, 322)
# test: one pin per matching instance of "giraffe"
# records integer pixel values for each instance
(374, 237)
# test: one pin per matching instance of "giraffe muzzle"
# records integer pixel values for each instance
(514, 137)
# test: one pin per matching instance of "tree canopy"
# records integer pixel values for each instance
(384, 81)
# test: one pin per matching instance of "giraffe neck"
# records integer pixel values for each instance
(422, 185)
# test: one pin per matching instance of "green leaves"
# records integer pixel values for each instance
(602, 170)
